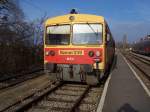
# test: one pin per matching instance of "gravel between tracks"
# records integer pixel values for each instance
(64, 98)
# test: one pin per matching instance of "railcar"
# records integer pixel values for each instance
(143, 46)
(78, 47)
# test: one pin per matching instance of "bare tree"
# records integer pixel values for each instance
(18, 51)
(38, 30)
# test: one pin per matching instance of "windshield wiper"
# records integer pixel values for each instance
(96, 33)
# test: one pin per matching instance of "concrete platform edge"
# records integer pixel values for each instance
(102, 100)
(138, 78)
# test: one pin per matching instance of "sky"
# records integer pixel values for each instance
(130, 17)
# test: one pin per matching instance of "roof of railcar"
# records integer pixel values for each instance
(78, 18)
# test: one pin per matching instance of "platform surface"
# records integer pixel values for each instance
(125, 93)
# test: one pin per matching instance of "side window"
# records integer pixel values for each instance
(108, 35)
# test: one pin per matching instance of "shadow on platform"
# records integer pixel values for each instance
(127, 108)
(114, 65)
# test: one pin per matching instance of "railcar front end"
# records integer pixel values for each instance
(74, 48)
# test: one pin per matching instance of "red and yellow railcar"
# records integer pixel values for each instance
(78, 47)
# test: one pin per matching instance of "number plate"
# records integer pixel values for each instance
(71, 52)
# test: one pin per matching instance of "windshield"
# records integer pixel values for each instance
(87, 34)
(58, 35)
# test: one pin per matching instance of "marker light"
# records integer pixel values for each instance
(98, 53)
(47, 53)
(52, 53)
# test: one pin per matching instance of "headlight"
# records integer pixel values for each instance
(91, 53)
(52, 53)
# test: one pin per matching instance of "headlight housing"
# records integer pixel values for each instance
(50, 53)
(91, 53)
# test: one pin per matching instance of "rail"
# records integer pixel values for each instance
(63, 96)
(27, 102)
(141, 56)
(14, 80)
(77, 103)
(138, 67)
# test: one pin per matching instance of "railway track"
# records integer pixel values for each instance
(61, 97)
(142, 64)
(140, 58)
(19, 78)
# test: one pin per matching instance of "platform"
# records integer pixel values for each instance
(124, 92)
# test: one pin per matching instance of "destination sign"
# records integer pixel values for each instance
(71, 52)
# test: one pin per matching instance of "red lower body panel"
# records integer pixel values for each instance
(72, 55)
